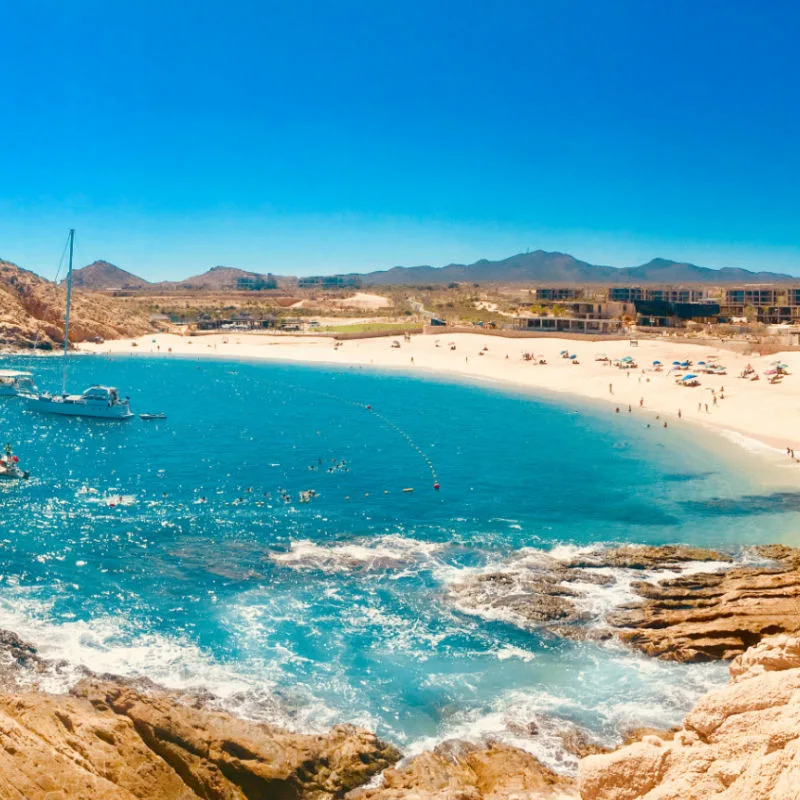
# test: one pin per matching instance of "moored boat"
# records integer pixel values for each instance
(14, 382)
(98, 402)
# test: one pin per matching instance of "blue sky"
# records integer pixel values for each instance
(309, 137)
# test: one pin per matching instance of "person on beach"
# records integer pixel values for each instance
(617, 409)
(610, 389)
(680, 416)
(641, 402)
(706, 408)
(630, 410)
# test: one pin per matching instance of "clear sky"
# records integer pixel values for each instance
(304, 137)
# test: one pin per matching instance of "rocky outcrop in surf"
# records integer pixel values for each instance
(709, 616)
(676, 603)
(739, 743)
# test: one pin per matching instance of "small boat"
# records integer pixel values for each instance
(100, 402)
(152, 416)
(14, 382)
(9, 467)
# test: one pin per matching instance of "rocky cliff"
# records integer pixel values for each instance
(739, 743)
(32, 313)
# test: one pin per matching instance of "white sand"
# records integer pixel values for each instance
(757, 410)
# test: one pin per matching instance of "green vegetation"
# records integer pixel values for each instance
(368, 327)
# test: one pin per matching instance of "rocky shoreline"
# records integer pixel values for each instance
(123, 739)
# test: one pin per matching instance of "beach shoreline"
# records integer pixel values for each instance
(756, 415)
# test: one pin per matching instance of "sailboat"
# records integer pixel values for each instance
(101, 402)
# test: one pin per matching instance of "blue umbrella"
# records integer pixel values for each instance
(676, 363)
(688, 377)
(701, 363)
(573, 356)
(656, 363)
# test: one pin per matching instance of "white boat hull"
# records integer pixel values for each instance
(78, 407)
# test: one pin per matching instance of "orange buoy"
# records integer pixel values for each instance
(436, 485)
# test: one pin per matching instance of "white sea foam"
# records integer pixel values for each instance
(109, 644)
(388, 552)
(593, 599)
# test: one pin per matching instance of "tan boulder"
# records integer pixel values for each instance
(109, 741)
(462, 771)
(741, 742)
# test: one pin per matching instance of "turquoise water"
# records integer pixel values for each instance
(167, 549)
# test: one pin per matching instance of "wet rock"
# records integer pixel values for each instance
(531, 591)
(462, 771)
(709, 616)
(645, 557)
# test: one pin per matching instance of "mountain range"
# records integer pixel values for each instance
(537, 267)
(560, 268)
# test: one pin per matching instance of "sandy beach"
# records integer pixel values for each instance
(757, 410)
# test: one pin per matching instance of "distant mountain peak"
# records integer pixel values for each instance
(102, 275)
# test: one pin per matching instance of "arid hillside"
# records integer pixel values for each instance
(32, 312)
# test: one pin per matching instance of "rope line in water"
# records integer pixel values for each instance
(381, 417)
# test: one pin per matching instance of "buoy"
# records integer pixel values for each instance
(369, 408)
(436, 486)
(408, 490)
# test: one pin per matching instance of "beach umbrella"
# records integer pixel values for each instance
(656, 363)
(676, 363)
(689, 377)
(573, 356)
(701, 363)
(564, 353)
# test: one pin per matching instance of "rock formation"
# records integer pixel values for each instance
(739, 743)
(461, 771)
(695, 616)
(709, 616)
(107, 740)
(32, 313)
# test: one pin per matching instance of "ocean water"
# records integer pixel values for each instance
(181, 551)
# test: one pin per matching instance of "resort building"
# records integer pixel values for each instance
(770, 305)
(329, 282)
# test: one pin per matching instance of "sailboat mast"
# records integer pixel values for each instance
(66, 316)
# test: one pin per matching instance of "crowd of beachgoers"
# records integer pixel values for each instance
(748, 393)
